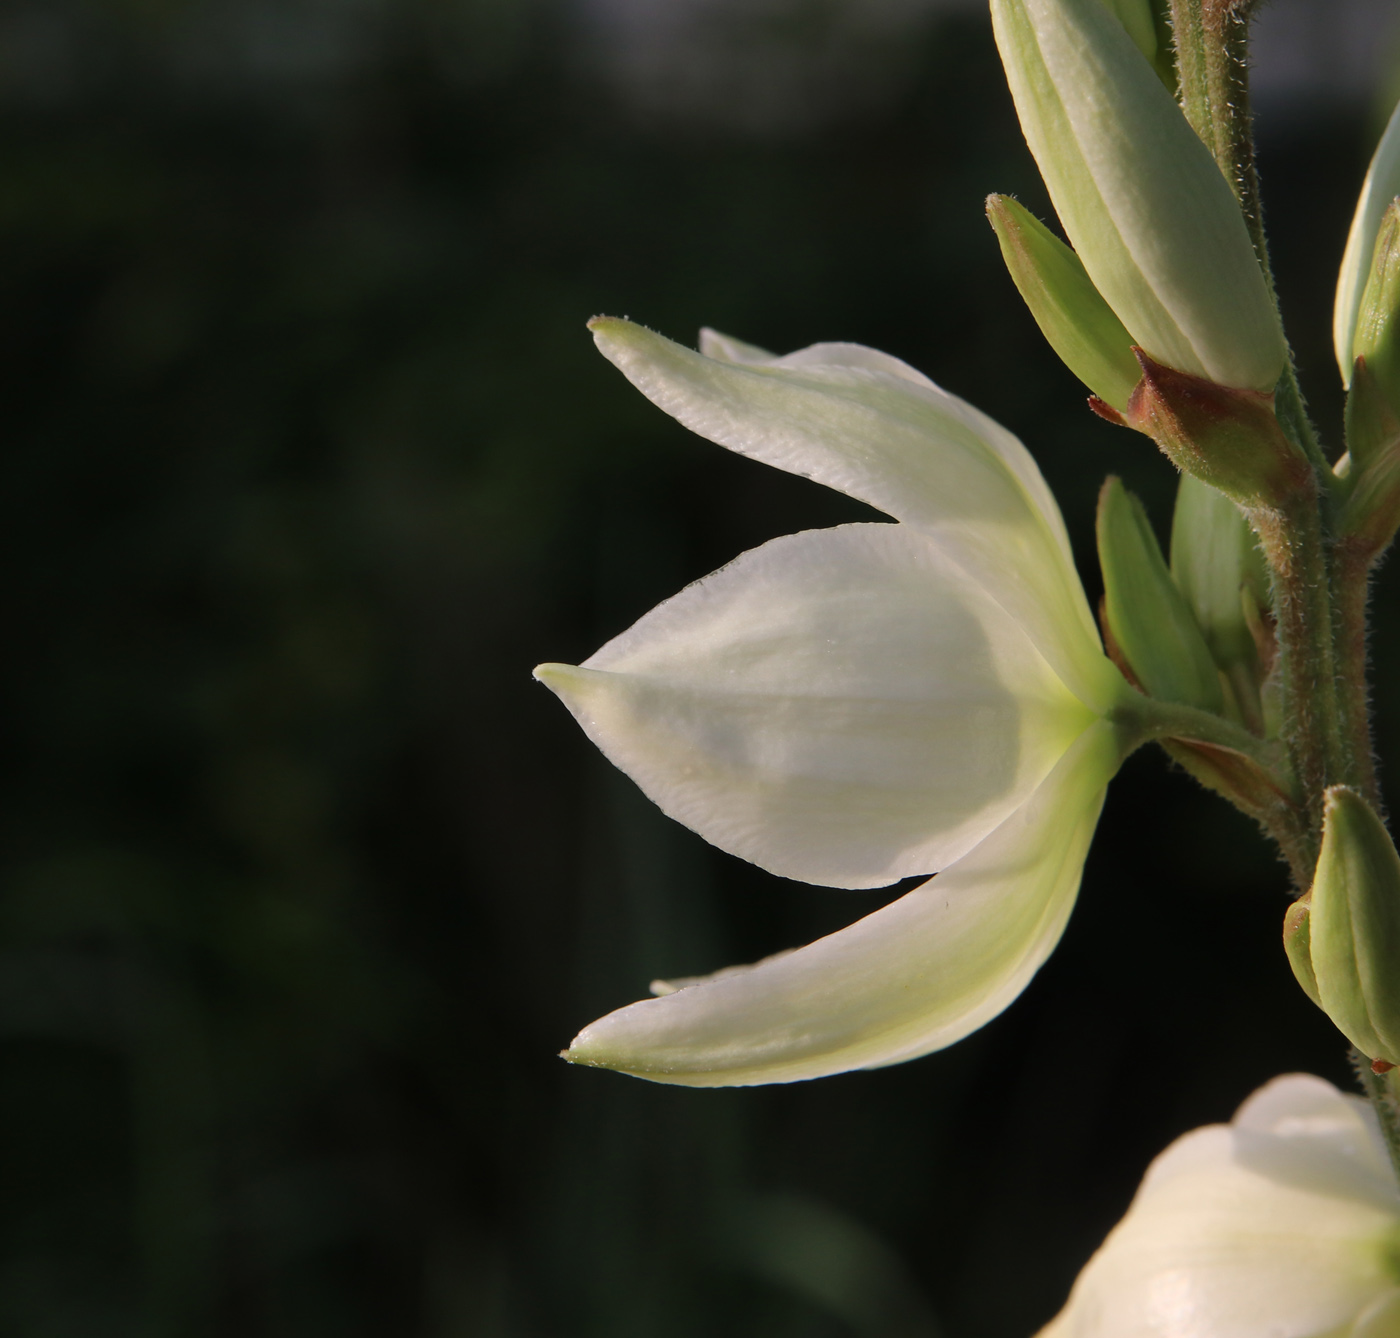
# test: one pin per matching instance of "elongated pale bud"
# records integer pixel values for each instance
(1217, 566)
(1229, 439)
(1354, 926)
(1149, 621)
(1380, 188)
(1078, 323)
(1140, 197)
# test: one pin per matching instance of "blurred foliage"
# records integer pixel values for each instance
(307, 461)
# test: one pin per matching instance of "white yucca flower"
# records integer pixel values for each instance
(856, 705)
(1284, 1223)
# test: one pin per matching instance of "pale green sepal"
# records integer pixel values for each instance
(911, 978)
(871, 426)
(1136, 18)
(1149, 618)
(1355, 925)
(1297, 944)
(1377, 337)
(1078, 323)
(1217, 565)
(1140, 197)
(1381, 186)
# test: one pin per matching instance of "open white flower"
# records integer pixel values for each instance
(857, 705)
(1284, 1223)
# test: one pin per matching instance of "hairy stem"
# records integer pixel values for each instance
(1351, 576)
(1212, 54)
(1385, 1099)
(1293, 546)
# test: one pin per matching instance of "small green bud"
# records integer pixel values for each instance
(1377, 335)
(1218, 567)
(1079, 324)
(1354, 926)
(1148, 618)
(1380, 188)
(1372, 425)
(1371, 513)
(1229, 439)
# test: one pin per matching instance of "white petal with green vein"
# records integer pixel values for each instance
(842, 706)
(908, 979)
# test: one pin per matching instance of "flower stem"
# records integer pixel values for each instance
(1385, 1100)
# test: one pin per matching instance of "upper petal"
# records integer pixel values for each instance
(1382, 184)
(871, 426)
(841, 706)
(1276, 1226)
(911, 978)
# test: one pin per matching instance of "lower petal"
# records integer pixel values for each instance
(911, 978)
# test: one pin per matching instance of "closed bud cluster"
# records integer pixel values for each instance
(1367, 335)
(1343, 939)
(1141, 199)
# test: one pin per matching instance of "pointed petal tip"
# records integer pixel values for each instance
(552, 675)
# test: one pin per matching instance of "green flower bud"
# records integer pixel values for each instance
(1229, 439)
(1372, 426)
(1377, 335)
(1354, 926)
(1218, 567)
(1140, 197)
(1149, 620)
(1380, 188)
(1079, 324)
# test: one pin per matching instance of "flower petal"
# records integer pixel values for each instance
(1381, 186)
(841, 706)
(1273, 1227)
(870, 426)
(913, 977)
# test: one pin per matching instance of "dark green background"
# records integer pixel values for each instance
(307, 460)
